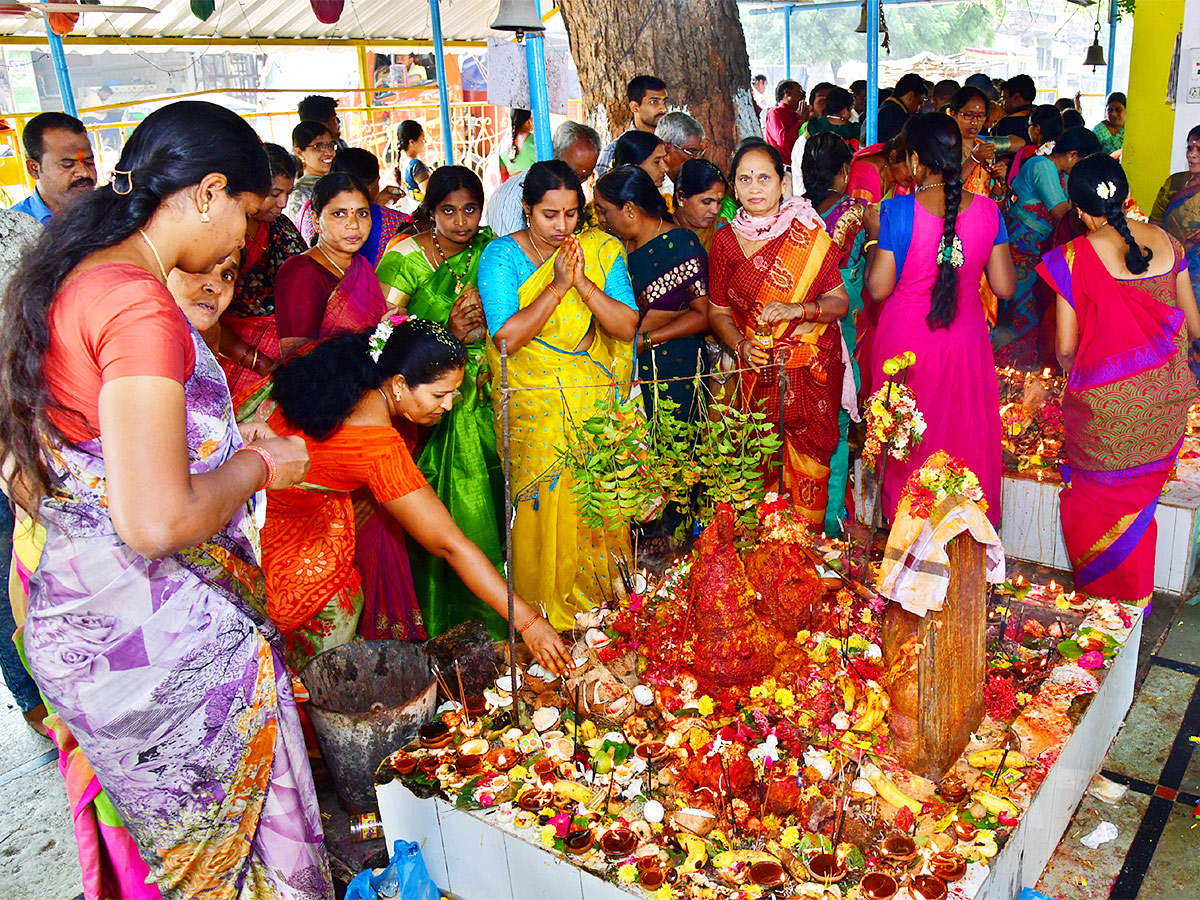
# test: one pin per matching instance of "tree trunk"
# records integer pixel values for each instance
(696, 46)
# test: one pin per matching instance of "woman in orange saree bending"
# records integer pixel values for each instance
(343, 397)
(776, 294)
(1125, 315)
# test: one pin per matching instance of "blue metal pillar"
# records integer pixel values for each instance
(61, 72)
(787, 41)
(872, 70)
(539, 96)
(439, 64)
(1112, 46)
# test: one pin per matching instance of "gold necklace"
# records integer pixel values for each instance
(458, 282)
(925, 187)
(340, 270)
(154, 250)
(533, 244)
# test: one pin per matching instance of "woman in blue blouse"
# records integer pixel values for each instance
(563, 305)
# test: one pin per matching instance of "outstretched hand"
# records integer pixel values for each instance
(548, 648)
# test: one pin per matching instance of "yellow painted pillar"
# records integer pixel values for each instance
(1150, 120)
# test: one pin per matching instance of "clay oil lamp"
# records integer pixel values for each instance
(1023, 668)
(618, 842)
(579, 842)
(767, 873)
(544, 769)
(435, 735)
(899, 849)
(470, 755)
(650, 861)
(429, 765)
(651, 749)
(452, 718)
(476, 706)
(927, 887)
(948, 866)
(1090, 641)
(404, 763)
(953, 789)
(652, 878)
(503, 758)
(534, 800)
(879, 886)
(826, 868)
(964, 831)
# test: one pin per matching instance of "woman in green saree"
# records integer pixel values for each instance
(433, 275)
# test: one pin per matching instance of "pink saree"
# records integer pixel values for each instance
(1125, 408)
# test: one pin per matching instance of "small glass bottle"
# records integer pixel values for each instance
(365, 827)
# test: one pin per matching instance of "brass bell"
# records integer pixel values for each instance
(1095, 53)
(519, 16)
(862, 21)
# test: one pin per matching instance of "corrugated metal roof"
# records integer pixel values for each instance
(390, 20)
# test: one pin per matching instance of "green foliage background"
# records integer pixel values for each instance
(828, 36)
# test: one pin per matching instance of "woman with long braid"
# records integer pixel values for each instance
(934, 247)
(1125, 315)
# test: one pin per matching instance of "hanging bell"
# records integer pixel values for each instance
(862, 21)
(1095, 53)
(519, 16)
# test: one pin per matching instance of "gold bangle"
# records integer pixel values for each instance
(868, 245)
(820, 312)
(522, 629)
(555, 292)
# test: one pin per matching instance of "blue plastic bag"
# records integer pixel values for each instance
(405, 878)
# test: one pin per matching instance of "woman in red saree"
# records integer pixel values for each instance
(249, 346)
(332, 289)
(776, 294)
(1125, 315)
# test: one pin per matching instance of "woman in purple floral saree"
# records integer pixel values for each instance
(142, 627)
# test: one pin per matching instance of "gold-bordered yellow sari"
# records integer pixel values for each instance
(560, 565)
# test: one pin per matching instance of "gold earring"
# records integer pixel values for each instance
(204, 214)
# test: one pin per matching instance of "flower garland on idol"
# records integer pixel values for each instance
(894, 424)
(929, 485)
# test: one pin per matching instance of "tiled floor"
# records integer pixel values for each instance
(1156, 853)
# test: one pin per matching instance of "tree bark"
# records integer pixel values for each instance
(696, 46)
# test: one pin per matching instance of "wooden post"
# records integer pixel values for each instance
(936, 667)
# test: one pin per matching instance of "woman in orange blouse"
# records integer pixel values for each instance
(343, 397)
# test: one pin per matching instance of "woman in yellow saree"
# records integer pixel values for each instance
(564, 306)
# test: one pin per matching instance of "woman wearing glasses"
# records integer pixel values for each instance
(314, 146)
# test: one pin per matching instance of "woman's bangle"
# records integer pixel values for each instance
(254, 360)
(868, 245)
(591, 287)
(523, 628)
(738, 350)
(647, 342)
(555, 292)
(820, 312)
(267, 460)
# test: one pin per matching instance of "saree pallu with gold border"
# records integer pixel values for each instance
(1125, 408)
(560, 565)
(798, 266)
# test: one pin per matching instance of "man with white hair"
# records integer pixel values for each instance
(575, 144)
(684, 137)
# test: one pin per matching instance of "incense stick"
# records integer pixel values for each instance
(463, 693)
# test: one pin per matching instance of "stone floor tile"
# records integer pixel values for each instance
(1142, 745)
